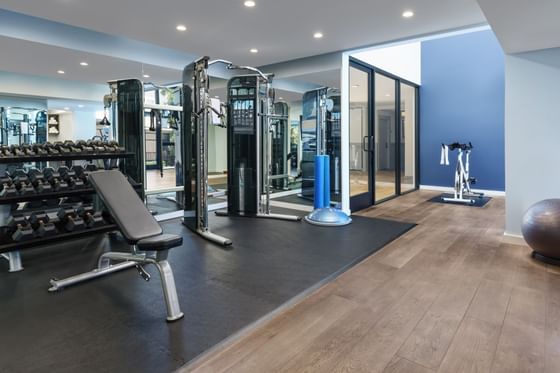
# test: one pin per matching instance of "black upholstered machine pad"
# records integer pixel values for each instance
(160, 242)
(123, 203)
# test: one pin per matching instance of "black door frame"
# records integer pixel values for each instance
(368, 199)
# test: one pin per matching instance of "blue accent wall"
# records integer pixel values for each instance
(462, 98)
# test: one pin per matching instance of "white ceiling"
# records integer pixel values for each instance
(281, 29)
(24, 57)
(523, 25)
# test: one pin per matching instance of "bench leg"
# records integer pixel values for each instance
(169, 290)
(14, 259)
(104, 267)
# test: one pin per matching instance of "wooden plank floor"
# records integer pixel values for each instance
(448, 296)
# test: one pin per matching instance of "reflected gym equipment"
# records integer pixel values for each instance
(541, 230)
(251, 125)
(197, 113)
(310, 127)
(280, 146)
(323, 214)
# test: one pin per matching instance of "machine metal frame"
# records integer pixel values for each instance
(135, 259)
(197, 110)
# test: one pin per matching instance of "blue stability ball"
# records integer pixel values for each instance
(541, 228)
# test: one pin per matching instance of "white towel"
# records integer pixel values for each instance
(444, 159)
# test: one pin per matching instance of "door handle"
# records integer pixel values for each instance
(365, 141)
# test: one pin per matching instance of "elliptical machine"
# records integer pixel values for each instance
(463, 181)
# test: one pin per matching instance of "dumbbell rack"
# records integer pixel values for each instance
(11, 250)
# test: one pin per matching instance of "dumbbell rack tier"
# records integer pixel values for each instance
(64, 157)
(9, 247)
(11, 250)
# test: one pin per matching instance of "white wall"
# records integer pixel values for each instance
(217, 149)
(65, 128)
(84, 125)
(532, 132)
(78, 125)
(403, 60)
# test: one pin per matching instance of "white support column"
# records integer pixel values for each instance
(345, 133)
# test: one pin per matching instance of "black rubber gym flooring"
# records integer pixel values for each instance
(117, 323)
(478, 201)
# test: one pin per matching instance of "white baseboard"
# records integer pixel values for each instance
(513, 239)
(489, 193)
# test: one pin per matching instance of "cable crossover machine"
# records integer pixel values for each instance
(251, 125)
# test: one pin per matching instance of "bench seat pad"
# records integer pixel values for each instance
(160, 242)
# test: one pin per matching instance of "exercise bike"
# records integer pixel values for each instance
(462, 186)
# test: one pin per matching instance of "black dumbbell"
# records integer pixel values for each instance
(72, 146)
(62, 148)
(97, 146)
(40, 149)
(22, 183)
(27, 149)
(86, 148)
(69, 220)
(37, 179)
(70, 177)
(8, 187)
(51, 149)
(20, 228)
(5, 151)
(83, 172)
(41, 224)
(53, 177)
(116, 147)
(91, 217)
(16, 151)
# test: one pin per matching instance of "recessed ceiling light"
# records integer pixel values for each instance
(387, 95)
(216, 96)
(66, 108)
(254, 50)
(408, 14)
(249, 3)
(280, 98)
(80, 105)
(60, 71)
(181, 28)
(84, 63)
(318, 35)
(146, 76)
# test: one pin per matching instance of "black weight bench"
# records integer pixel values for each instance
(149, 245)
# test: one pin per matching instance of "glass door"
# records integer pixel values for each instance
(407, 137)
(361, 191)
(383, 126)
(385, 143)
